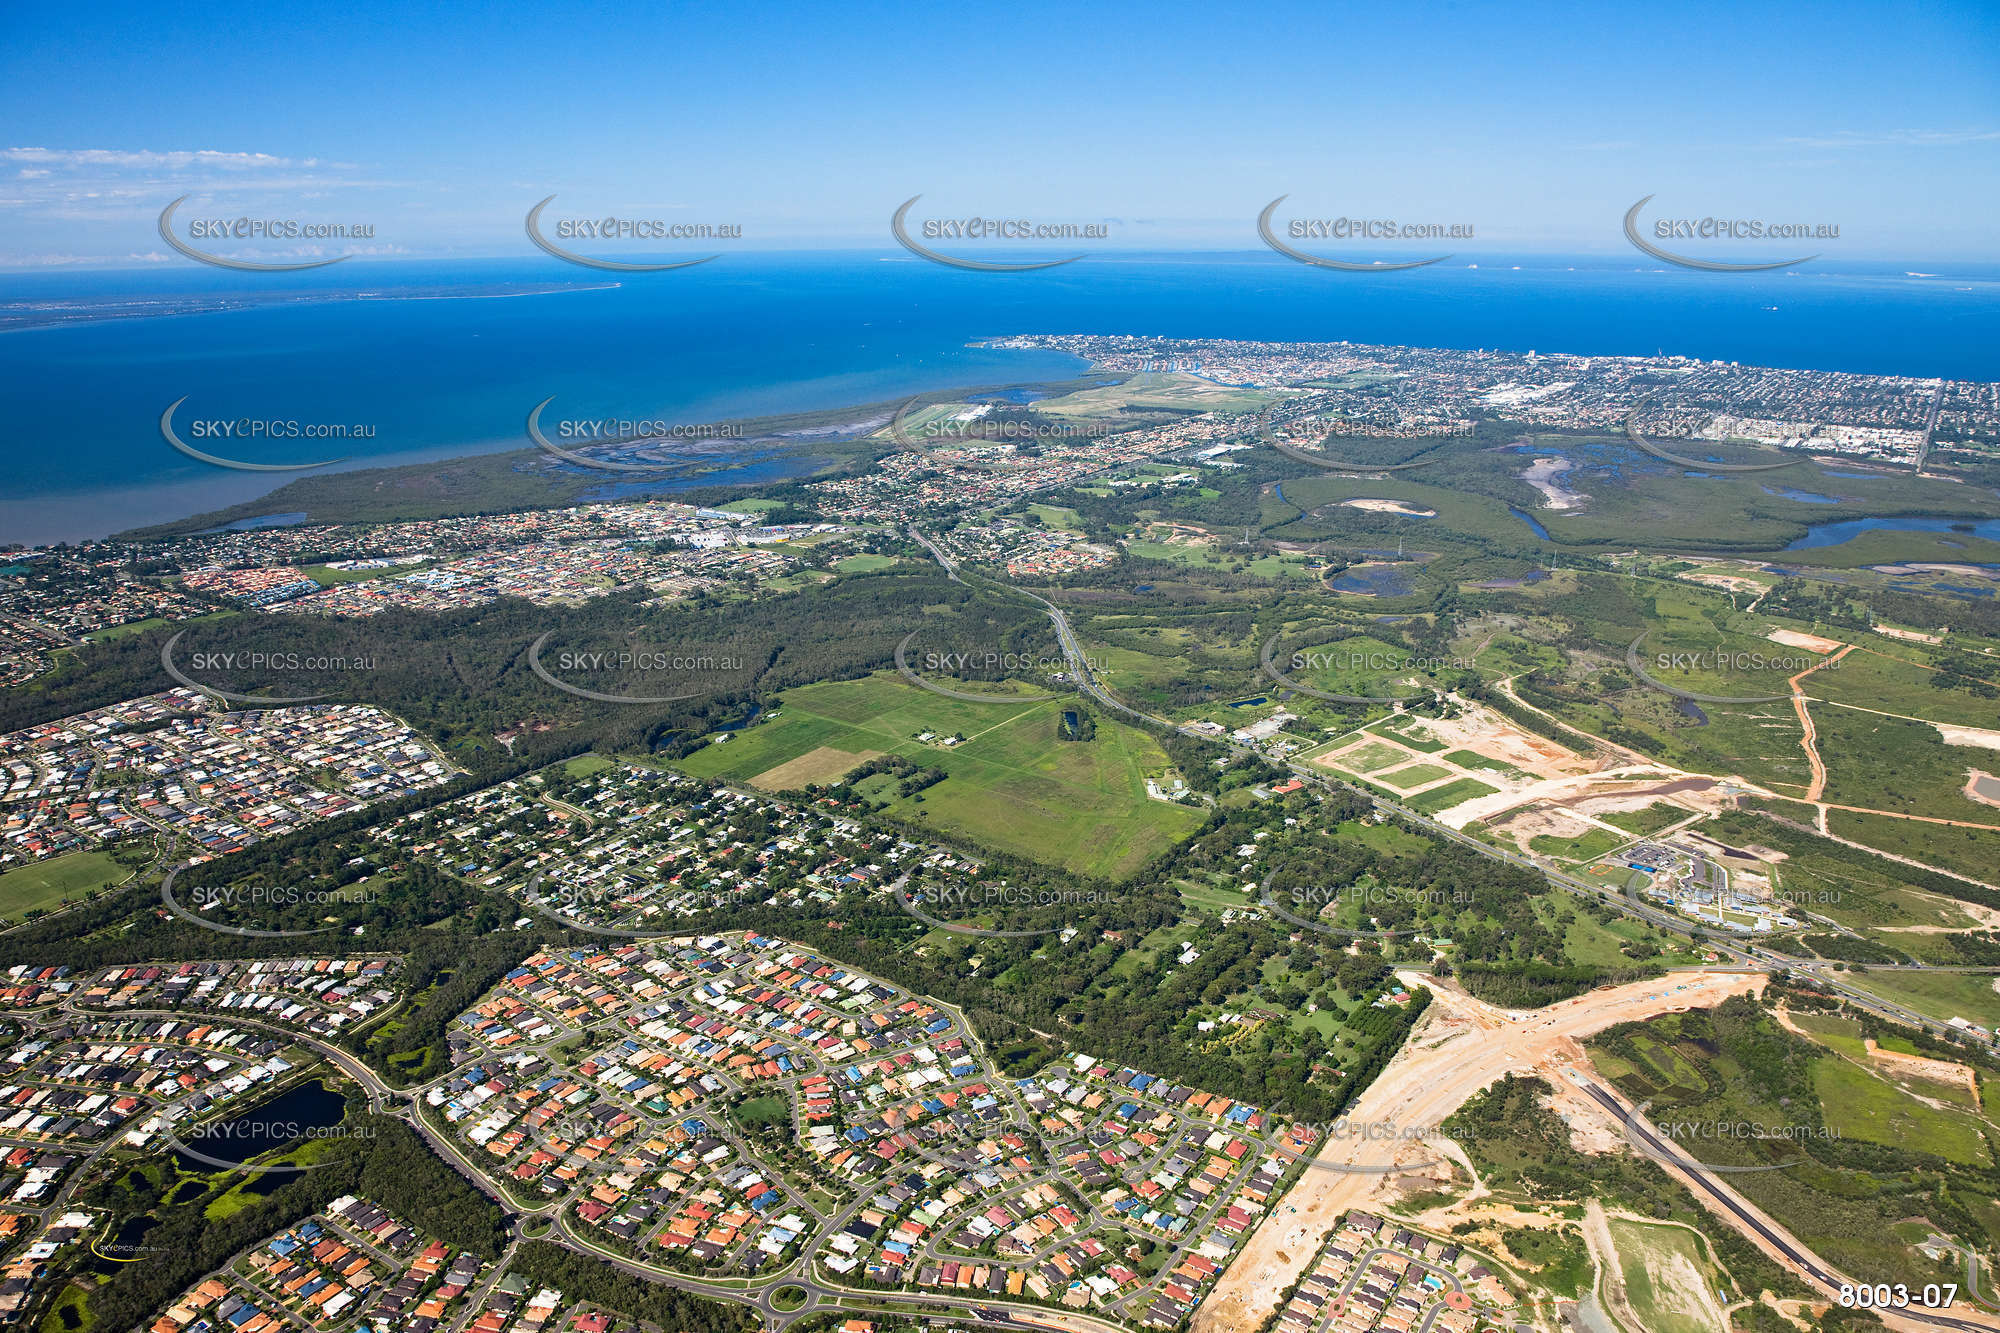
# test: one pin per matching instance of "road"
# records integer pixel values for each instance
(1726, 943)
(1724, 1200)
(1421, 1087)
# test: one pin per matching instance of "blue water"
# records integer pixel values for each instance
(1803, 497)
(261, 521)
(1376, 581)
(743, 474)
(1532, 576)
(1833, 534)
(756, 334)
(1530, 520)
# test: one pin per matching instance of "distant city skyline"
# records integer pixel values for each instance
(1167, 127)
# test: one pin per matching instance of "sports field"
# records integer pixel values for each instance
(1011, 784)
(44, 883)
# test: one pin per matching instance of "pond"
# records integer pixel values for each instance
(126, 1246)
(1847, 529)
(1375, 581)
(1533, 523)
(1803, 497)
(310, 1109)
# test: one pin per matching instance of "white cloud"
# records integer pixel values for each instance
(140, 159)
(1894, 139)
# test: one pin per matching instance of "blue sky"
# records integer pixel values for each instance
(1172, 125)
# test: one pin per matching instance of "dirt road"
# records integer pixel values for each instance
(1461, 1046)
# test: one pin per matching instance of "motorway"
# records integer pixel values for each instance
(1726, 1200)
(1726, 943)
(1466, 1045)
(1745, 955)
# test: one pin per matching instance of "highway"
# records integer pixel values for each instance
(1731, 945)
(1727, 1201)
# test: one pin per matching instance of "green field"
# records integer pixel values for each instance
(1372, 756)
(46, 883)
(1057, 516)
(1452, 793)
(1860, 1106)
(1668, 1279)
(117, 632)
(1402, 729)
(1651, 819)
(1587, 846)
(866, 564)
(1472, 759)
(1011, 785)
(1939, 995)
(1416, 775)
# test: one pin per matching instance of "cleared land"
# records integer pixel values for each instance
(815, 767)
(1011, 784)
(1461, 1046)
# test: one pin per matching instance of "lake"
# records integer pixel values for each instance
(1847, 529)
(310, 1109)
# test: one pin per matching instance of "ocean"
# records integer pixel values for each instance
(438, 362)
